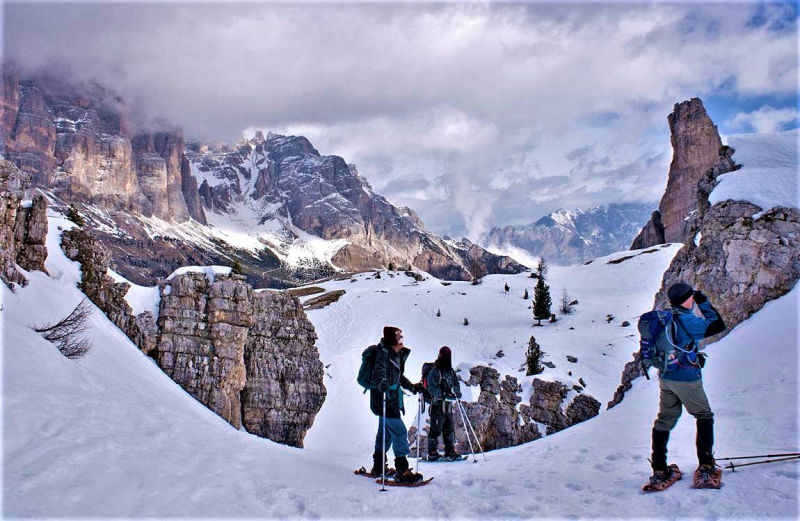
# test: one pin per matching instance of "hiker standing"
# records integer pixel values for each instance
(681, 384)
(442, 385)
(387, 374)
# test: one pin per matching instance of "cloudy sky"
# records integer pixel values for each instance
(475, 115)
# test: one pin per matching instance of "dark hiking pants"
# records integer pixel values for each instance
(441, 425)
(674, 396)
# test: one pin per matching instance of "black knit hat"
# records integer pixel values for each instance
(390, 336)
(445, 358)
(679, 293)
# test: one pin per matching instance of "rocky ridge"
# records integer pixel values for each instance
(501, 420)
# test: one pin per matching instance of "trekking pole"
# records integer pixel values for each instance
(383, 458)
(466, 431)
(419, 416)
(469, 422)
(733, 466)
(761, 456)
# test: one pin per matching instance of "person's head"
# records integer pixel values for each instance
(392, 337)
(445, 358)
(681, 294)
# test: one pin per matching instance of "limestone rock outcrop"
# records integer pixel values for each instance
(283, 389)
(30, 234)
(12, 189)
(697, 150)
(501, 420)
(203, 326)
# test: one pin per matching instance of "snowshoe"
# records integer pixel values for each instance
(708, 476)
(662, 480)
(393, 483)
(433, 456)
(370, 474)
(409, 476)
(454, 456)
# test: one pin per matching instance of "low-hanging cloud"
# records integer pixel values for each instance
(488, 104)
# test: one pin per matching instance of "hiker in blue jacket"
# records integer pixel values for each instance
(681, 382)
(390, 363)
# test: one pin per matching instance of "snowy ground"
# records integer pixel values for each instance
(110, 435)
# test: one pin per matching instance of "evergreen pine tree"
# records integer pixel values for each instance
(438, 312)
(237, 268)
(525, 295)
(506, 287)
(533, 358)
(466, 322)
(541, 294)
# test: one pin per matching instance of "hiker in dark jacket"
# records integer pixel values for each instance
(390, 362)
(681, 382)
(443, 386)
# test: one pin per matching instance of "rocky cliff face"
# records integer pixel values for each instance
(284, 388)
(574, 236)
(203, 327)
(23, 227)
(501, 420)
(75, 142)
(696, 151)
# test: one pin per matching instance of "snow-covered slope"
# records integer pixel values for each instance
(110, 435)
(768, 176)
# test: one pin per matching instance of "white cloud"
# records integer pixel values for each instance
(764, 119)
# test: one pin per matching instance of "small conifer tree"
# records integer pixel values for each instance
(438, 312)
(466, 322)
(237, 268)
(533, 358)
(506, 287)
(541, 294)
(564, 306)
(525, 295)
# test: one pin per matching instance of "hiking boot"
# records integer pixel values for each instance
(452, 455)
(408, 476)
(377, 458)
(433, 456)
(661, 476)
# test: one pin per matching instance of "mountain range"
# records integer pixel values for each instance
(569, 237)
(272, 205)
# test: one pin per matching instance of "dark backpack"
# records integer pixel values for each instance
(657, 348)
(426, 368)
(367, 365)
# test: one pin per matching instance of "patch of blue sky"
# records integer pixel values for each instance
(723, 105)
(777, 16)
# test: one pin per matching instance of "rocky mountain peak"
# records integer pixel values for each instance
(697, 151)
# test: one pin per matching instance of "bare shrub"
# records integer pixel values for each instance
(566, 303)
(68, 333)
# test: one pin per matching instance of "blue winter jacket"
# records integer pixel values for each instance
(692, 328)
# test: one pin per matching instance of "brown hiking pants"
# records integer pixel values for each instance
(674, 396)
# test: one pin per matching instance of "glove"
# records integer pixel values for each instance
(417, 388)
(699, 297)
(383, 385)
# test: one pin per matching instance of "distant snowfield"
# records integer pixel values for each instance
(111, 435)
